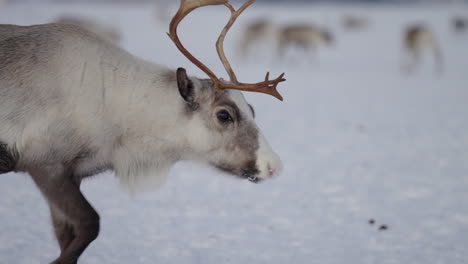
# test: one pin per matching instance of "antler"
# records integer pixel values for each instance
(267, 86)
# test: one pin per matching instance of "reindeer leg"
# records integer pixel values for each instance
(313, 53)
(438, 58)
(410, 60)
(67, 202)
(63, 229)
(416, 59)
(281, 50)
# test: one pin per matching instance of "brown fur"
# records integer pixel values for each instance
(305, 36)
(417, 38)
(350, 22)
(256, 31)
(75, 221)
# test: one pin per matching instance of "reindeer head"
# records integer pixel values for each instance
(228, 138)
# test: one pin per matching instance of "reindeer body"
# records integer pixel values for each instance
(85, 96)
(305, 36)
(354, 23)
(72, 104)
(104, 31)
(417, 39)
(256, 31)
(460, 24)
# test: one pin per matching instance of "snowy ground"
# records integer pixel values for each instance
(359, 141)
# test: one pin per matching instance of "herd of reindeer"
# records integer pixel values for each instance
(417, 38)
(306, 38)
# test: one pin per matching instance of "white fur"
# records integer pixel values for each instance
(268, 162)
(124, 110)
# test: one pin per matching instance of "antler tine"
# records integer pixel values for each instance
(267, 86)
(220, 42)
(184, 9)
(187, 6)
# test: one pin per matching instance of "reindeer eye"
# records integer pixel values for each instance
(224, 116)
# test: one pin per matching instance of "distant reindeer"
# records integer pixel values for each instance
(354, 23)
(73, 105)
(256, 32)
(417, 39)
(460, 24)
(162, 10)
(107, 32)
(305, 36)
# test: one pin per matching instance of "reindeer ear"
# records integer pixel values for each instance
(186, 87)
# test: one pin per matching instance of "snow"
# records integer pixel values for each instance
(359, 141)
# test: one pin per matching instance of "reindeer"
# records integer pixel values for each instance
(354, 23)
(460, 24)
(106, 32)
(416, 39)
(308, 37)
(73, 104)
(256, 31)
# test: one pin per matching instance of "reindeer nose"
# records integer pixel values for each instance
(271, 171)
(275, 166)
(270, 167)
(268, 162)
